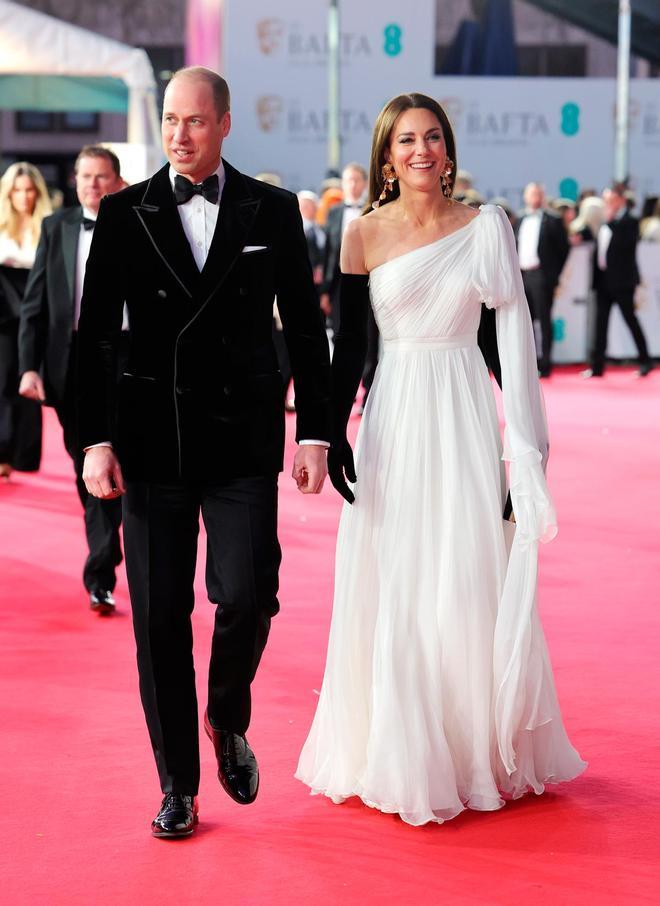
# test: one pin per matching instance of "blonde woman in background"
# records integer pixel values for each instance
(24, 203)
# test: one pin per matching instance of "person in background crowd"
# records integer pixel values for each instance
(48, 342)
(615, 279)
(542, 249)
(503, 203)
(473, 199)
(588, 221)
(354, 185)
(24, 203)
(567, 210)
(270, 178)
(331, 194)
(650, 226)
(315, 235)
(464, 182)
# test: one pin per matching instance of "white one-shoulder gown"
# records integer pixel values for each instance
(438, 692)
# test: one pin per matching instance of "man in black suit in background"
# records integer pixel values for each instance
(48, 343)
(198, 253)
(615, 279)
(543, 248)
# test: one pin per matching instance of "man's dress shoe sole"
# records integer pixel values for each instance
(175, 835)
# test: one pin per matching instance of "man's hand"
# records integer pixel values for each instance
(310, 468)
(32, 386)
(102, 473)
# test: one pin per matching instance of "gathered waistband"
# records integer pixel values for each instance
(419, 344)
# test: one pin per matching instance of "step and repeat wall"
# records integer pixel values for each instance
(508, 130)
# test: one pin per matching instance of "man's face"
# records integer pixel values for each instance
(94, 179)
(613, 202)
(534, 197)
(307, 208)
(192, 133)
(353, 185)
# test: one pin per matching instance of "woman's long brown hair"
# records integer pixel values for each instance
(383, 133)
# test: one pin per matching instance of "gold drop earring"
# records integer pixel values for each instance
(389, 177)
(444, 178)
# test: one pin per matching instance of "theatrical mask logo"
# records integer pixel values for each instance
(270, 33)
(453, 107)
(306, 47)
(270, 108)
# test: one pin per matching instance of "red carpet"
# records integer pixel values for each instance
(80, 788)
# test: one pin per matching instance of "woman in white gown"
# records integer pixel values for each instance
(438, 692)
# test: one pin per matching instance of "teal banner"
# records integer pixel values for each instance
(63, 93)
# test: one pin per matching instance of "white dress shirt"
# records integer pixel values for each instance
(199, 218)
(351, 212)
(528, 240)
(604, 238)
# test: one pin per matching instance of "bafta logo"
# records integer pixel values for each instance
(269, 112)
(454, 109)
(270, 33)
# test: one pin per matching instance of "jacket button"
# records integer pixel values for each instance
(227, 390)
(243, 291)
(179, 391)
(162, 293)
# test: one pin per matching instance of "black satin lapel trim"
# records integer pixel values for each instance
(70, 236)
(231, 232)
(163, 227)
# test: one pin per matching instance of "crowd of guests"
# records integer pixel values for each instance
(545, 229)
(42, 268)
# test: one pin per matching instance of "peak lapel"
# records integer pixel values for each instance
(160, 219)
(238, 209)
(70, 236)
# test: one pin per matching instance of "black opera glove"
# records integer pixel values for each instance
(340, 467)
(348, 360)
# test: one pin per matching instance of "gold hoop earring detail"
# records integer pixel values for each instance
(389, 177)
(444, 178)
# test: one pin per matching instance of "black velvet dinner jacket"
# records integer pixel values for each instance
(201, 397)
(47, 310)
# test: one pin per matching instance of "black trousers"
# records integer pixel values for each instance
(604, 302)
(161, 525)
(102, 517)
(540, 291)
(20, 418)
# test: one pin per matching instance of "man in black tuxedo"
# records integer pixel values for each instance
(48, 344)
(615, 279)
(354, 186)
(198, 253)
(543, 248)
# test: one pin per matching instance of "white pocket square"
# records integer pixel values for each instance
(253, 248)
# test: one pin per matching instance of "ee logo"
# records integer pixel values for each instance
(570, 119)
(559, 329)
(392, 39)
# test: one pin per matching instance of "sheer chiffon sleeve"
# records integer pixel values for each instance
(521, 676)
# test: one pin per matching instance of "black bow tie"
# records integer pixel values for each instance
(88, 223)
(184, 189)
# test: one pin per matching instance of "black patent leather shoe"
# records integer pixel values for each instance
(645, 368)
(238, 771)
(177, 817)
(101, 601)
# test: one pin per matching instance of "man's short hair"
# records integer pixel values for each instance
(219, 86)
(99, 151)
(358, 168)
